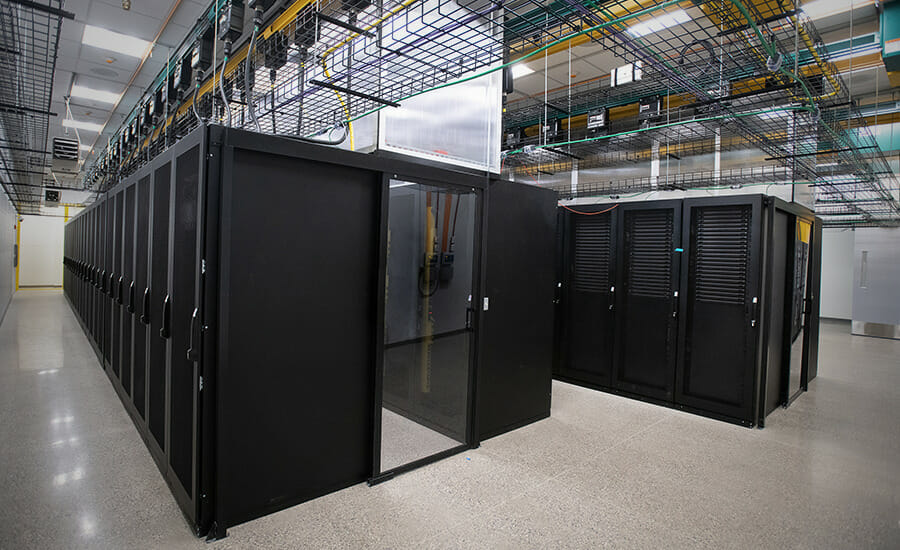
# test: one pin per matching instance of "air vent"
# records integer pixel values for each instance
(65, 155)
(51, 197)
(721, 248)
(592, 253)
(648, 240)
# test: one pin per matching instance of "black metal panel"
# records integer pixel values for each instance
(646, 324)
(141, 283)
(296, 321)
(159, 291)
(129, 288)
(108, 307)
(775, 326)
(182, 393)
(589, 295)
(720, 306)
(813, 305)
(517, 329)
(118, 289)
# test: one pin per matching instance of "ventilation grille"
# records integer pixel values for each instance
(648, 237)
(65, 149)
(592, 253)
(721, 251)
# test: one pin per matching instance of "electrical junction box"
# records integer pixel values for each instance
(231, 21)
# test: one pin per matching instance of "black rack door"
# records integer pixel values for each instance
(159, 305)
(720, 315)
(647, 301)
(184, 316)
(589, 302)
(108, 238)
(117, 288)
(141, 295)
(128, 287)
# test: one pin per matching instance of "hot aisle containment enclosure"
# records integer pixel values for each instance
(254, 291)
(709, 305)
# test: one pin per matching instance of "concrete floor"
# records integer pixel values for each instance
(603, 471)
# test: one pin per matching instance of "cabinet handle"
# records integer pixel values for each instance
(131, 298)
(145, 307)
(119, 292)
(192, 353)
(166, 315)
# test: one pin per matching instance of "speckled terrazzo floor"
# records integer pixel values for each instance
(603, 471)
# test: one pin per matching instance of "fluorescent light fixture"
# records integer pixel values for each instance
(826, 8)
(657, 24)
(84, 147)
(97, 95)
(81, 125)
(521, 70)
(114, 41)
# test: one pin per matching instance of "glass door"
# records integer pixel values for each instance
(429, 272)
(800, 275)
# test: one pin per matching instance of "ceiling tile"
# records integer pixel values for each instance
(125, 22)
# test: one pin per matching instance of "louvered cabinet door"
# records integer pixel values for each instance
(590, 310)
(721, 273)
(646, 322)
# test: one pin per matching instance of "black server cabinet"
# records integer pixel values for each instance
(158, 303)
(128, 286)
(647, 303)
(118, 286)
(716, 308)
(244, 315)
(588, 296)
(721, 310)
(141, 317)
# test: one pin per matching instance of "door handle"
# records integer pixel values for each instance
(101, 284)
(612, 298)
(675, 304)
(121, 282)
(131, 298)
(166, 314)
(469, 312)
(192, 353)
(145, 307)
(112, 285)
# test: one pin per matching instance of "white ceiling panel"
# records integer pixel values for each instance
(125, 22)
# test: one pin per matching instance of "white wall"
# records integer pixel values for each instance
(7, 244)
(876, 295)
(836, 297)
(41, 251)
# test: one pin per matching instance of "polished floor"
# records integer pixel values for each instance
(601, 472)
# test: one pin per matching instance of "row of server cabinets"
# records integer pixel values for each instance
(245, 295)
(709, 305)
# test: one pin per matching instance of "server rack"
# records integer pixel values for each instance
(691, 303)
(242, 303)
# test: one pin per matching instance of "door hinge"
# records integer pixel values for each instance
(201, 384)
(203, 266)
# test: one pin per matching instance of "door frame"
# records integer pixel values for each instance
(479, 189)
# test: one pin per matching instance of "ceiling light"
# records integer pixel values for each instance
(97, 95)
(657, 24)
(81, 125)
(113, 41)
(825, 8)
(521, 70)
